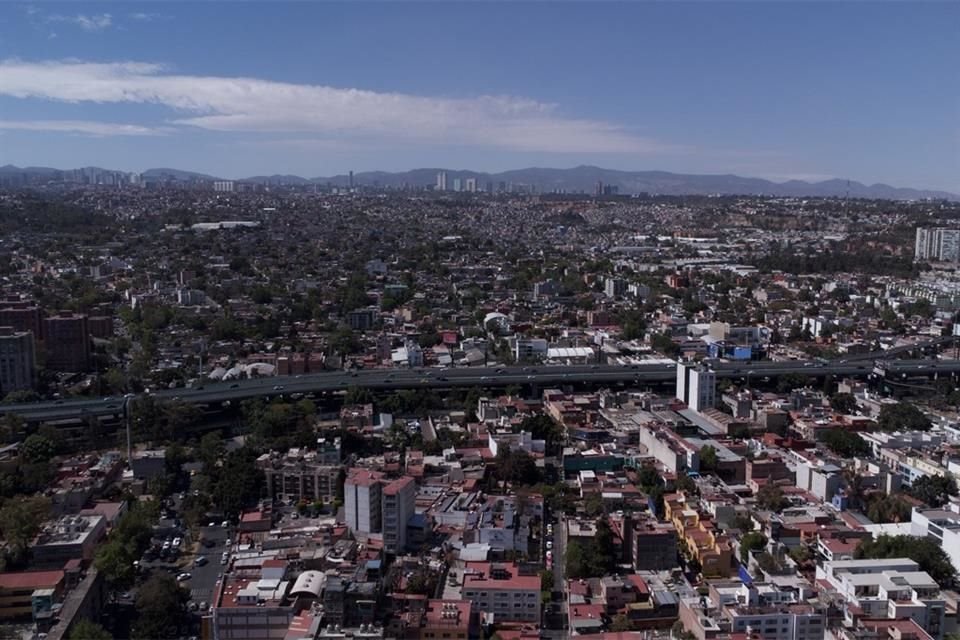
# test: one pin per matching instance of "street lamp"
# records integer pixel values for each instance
(128, 418)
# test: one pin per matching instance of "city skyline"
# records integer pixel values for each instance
(660, 87)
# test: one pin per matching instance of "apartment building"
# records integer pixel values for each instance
(893, 588)
(398, 498)
(252, 609)
(22, 315)
(696, 386)
(501, 590)
(704, 543)
(300, 474)
(940, 525)
(69, 538)
(362, 501)
(17, 360)
(67, 338)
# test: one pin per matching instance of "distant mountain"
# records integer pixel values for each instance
(177, 175)
(583, 178)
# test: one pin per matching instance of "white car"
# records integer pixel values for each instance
(176, 542)
(183, 577)
(549, 544)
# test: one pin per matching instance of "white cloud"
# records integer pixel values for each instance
(87, 23)
(147, 17)
(257, 105)
(82, 126)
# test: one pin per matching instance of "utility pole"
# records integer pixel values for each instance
(128, 419)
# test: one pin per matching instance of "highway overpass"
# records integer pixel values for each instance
(214, 393)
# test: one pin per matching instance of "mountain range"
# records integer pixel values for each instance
(583, 178)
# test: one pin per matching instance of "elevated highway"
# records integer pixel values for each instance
(215, 393)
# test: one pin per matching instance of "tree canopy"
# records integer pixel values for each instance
(924, 551)
(902, 416)
(934, 490)
(845, 443)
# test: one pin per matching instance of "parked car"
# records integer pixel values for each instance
(200, 561)
(183, 577)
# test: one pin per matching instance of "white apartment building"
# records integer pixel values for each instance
(943, 526)
(362, 493)
(696, 386)
(892, 588)
(938, 244)
(399, 498)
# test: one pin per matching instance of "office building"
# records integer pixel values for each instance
(457, 185)
(67, 338)
(696, 386)
(441, 181)
(937, 244)
(471, 185)
(398, 505)
(17, 360)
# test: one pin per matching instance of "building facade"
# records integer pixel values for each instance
(17, 360)
(67, 338)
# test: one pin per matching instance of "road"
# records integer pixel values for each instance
(204, 578)
(214, 393)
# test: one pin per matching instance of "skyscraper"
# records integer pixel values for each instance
(442, 181)
(471, 185)
(351, 179)
(457, 185)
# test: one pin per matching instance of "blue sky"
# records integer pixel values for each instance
(810, 90)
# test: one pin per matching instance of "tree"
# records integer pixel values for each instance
(771, 497)
(86, 629)
(792, 381)
(845, 443)
(926, 552)
(20, 520)
(37, 448)
(543, 427)
(516, 465)
(620, 622)
(753, 541)
(843, 403)
(546, 580)
(884, 508)
(239, 483)
(708, 458)
(934, 490)
(160, 608)
(358, 395)
(902, 416)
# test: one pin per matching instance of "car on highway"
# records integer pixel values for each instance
(278, 387)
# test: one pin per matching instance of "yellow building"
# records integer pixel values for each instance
(704, 544)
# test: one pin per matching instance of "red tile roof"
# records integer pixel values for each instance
(31, 579)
